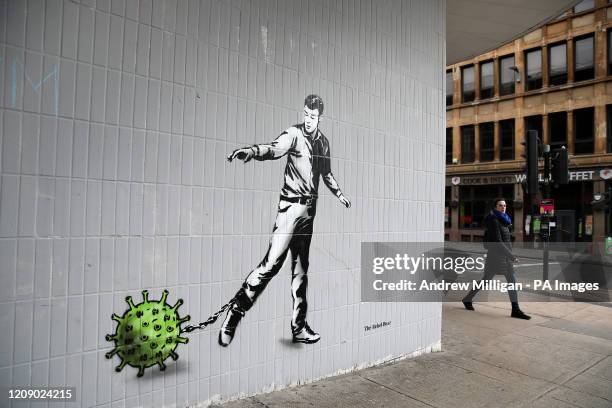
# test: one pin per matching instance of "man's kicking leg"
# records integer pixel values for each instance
(258, 279)
(300, 248)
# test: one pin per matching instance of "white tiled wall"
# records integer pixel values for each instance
(117, 116)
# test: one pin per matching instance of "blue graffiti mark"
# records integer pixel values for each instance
(53, 73)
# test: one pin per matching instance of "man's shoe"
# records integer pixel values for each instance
(519, 314)
(468, 305)
(306, 335)
(228, 328)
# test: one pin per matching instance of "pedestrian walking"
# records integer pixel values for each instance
(500, 259)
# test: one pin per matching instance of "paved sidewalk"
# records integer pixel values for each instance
(561, 358)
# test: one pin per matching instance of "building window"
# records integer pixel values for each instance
(609, 128)
(584, 6)
(557, 130)
(475, 202)
(467, 84)
(449, 88)
(584, 58)
(534, 123)
(583, 131)
(467, 144)
(506, 75)
(610, 52)
(486, 80)
(449, 145)
(557, 64)
(533, 69)
(506, 139)
(487, 142)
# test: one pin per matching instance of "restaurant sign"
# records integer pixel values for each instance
(517, 178)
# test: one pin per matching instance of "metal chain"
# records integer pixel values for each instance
(213, 318)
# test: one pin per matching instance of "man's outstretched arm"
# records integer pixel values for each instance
(267, 151)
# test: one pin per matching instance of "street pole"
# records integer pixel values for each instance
(546, 232)
(609, 211)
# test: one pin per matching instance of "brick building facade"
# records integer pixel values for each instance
(556, 79)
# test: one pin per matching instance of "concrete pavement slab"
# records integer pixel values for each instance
(242, 403)
(593, 385)
(575, 340)
(552, 402)
(528, 385)
(346, 390)
(441, 385)
(489, 316)
(602, 369)
(563, 396)
(435, 382)
(597, 316)
(594, 330)
(554, 363)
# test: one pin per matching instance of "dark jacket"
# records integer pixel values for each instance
(499, 255)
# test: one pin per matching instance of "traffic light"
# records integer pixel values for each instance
(531, 162)
(560, 166)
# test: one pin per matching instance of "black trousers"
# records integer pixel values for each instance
(292, 234)
(496, 266)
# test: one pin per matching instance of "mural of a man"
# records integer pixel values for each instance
(308, 157)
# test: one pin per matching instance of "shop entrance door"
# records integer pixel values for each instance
(566, 226)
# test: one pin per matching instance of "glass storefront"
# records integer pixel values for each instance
(575, 220)
(475, 202)
(573, 212)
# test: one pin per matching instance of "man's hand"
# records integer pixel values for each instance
(245, 154)
(345, 201)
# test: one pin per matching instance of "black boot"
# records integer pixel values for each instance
(228, 329)
(468, 305)
(242, 303)
(518, 313)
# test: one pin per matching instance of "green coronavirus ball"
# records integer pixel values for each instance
(147, 333)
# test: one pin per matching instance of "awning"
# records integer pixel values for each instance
(474, 27)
